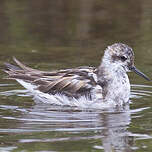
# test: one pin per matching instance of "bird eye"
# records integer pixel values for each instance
(123, 58)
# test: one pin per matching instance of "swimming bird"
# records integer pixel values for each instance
(108, 84)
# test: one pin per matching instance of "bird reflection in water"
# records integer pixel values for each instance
(115, 136)
(110, 126)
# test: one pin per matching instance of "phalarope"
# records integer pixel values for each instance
(108, 84)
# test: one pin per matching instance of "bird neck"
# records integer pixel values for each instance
(114, 82)
(108, 70)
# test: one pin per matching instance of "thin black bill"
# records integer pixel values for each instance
(134, 69)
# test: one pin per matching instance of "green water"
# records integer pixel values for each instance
(59, 34)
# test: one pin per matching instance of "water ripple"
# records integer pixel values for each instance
(62, 123)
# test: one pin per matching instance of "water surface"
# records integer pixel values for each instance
(61, 34)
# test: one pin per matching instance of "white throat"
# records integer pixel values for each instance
(114, 81)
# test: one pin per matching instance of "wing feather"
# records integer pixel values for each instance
(69, 81)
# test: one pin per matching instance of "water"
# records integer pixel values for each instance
(41, 127)
(61, 34)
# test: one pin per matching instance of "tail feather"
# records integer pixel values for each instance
(19, 71)
(11, 67)
(21, 65)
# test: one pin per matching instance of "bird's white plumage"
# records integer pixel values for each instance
(62, 100)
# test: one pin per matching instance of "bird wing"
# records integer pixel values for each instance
(72, 82)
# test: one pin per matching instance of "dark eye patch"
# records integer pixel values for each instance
(123, 58)
(118, 58)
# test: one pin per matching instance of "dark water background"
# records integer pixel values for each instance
(60, 34)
